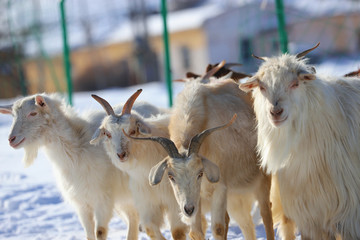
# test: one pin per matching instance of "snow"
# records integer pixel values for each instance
(31, 206)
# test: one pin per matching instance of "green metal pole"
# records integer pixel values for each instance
(66, 51)
(282, 27)
(166, 51)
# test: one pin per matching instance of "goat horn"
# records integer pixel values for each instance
(197, 140)
(130, 102)
(257, 57)
(214, 70)
(107, 107)
(167, 144)
(302, 54)
(229, 65)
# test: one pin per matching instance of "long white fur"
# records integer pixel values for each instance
(315, 152)
(84, 173)
(151, 202)
(198, 107)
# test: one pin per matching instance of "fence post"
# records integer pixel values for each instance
(66, 51)
(166, 51)
(281, 25)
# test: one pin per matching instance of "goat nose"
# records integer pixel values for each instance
(12, 139)
(122, 155)
(276, 112)
(189, 209)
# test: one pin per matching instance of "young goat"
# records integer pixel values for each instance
(198, 107)
(84, 174)
(309, 135)
(136, 159)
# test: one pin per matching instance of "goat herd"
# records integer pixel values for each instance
(288, 139)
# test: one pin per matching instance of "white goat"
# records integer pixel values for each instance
(235, 171)
(309, 135)
(84, 173)
(137, 159)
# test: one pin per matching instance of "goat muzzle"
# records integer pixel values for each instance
(122, 156)
(189, 209)
(276, 112)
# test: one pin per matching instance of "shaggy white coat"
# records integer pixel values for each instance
(315, 152)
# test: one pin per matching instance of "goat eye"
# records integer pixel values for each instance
(171, 177)
(108, 134)
(200, 175)
(32, 114)
(132, 132)
(262, 88)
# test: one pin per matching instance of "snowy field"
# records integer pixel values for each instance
(31, 207)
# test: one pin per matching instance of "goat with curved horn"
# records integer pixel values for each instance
(130, 102)
(167, 144)
(107, 107)
(196, 141)
(302, 54)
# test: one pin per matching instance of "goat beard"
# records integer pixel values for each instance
(31, 153)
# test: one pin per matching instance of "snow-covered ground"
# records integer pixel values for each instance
(31, 207)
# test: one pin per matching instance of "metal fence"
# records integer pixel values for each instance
(31, 43)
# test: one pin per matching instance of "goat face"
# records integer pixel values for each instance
(30, 118)
(185, 175)
(185, 169)
(279, 87)
(117, 145)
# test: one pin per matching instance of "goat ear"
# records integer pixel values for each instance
(39, 100)
(306, 76)
(211, 170)
(250, 85)
(157, 172)
(98, 135)
(6, 109)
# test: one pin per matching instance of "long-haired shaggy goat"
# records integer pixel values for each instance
(84, 173)
(136, 159)
(233, 176)
(309, 135)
